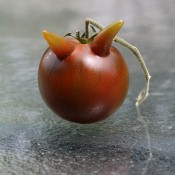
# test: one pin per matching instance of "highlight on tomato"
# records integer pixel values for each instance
(85, 79)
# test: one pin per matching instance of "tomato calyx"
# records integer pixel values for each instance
(82, 38)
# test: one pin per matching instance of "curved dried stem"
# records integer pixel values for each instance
(145, 92)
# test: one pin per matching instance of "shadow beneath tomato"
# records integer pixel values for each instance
(112, 143)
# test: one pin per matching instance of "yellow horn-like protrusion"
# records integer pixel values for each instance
(103, 41)
(61, 46)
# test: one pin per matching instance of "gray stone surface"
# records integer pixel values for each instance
(34, 141)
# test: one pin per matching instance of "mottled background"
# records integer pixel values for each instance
(35, 141)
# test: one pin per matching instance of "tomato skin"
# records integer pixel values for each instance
(84, 87)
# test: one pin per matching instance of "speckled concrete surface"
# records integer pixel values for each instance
(35, 141)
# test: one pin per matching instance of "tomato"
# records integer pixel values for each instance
(83, 82)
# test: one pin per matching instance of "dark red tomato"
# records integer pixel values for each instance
(83, 83)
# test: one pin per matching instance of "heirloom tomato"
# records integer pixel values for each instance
(82, 79)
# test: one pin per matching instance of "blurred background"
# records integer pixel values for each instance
(33, 140)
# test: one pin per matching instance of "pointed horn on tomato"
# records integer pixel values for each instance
(59, 45)
(103, 41)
